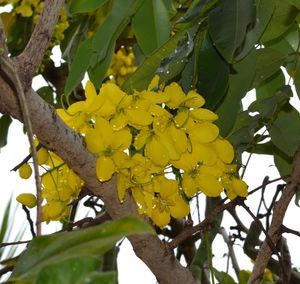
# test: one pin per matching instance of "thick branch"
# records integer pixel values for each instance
(55, 135)
(274, 232)
(31, 58)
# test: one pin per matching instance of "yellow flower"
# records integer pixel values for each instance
(104, 142)
(25, 171)
(24, 9)
(27, 199)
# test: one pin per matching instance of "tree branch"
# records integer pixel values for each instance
(32, 56)
(55, 135)
(274, 231)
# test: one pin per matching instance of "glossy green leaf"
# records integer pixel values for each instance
(5, 121)
(79, 6)
(264, 12)
(198, 11)
(46, 250)
(282, 18)
(79, 66)
(285, 132)
(269, 87)
(69, 271)
(296, 3)
(141, 78)
(213, 74)
(107, 277)
(223, 278)
(268, 63)
(228, 25)
(283, 162)
(239, 84)
(151, 25)
(46, 93)
(269, 106)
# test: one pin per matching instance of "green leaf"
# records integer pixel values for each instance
(223, 277)
(79, 6)
(264, 11)
(70, 271)
(228, 25)
(151, 25)
(46, 93)
(108, 277)
(269, 62)
(285, 132)
(92, 51)
(79, 66)
(283, 163)
(268, 107)
(47, 250)
(269, 87)
(282, 18)
(5, 122)
(141, 78)
(239, 84)
(296, 3)
(198, 11)
(213, 74)
(244, 275)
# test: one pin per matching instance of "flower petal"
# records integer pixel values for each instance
(105, 168)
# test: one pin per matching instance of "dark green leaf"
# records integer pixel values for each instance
(5, 122)
(213, 74)
(46, 250)
(244, 275)
(70, 271)
(223, 277)
(79, 66)
(296, 3)
(283, 163)
(140, 79)
(46, 93)
(151, 25)
(268, 107)
(282, 18)
(268, 63)
(228, 25)
(108, 277)
(269, 87)
(285, 132)
(264, 11)
(79, 6)
(239, 84)
(198, 11)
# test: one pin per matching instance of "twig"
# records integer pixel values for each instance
(11, 73)
(13, 243)
(29, 220)
(290, 231)
(33, 54)
(205, 224)
(274, 233)
(231, 252)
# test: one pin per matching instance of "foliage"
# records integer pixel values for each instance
(162, 111)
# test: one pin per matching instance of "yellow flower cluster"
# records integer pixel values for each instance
(122, 65)
(60, 186)
(33, 8)
(143, 136)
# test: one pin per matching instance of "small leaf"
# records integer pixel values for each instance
(5, 122)
(228, 25)
(79, 66)
(70, 271)
(269, 62)
(151, 25)
(213, 74)
(141, 78)
(79, 6)
(285, 132)
(239, 84)
(223, 277)
(107, 277)
(282, 18)
(47, 250)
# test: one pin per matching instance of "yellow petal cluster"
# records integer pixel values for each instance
(141, 137)
(122, 65)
